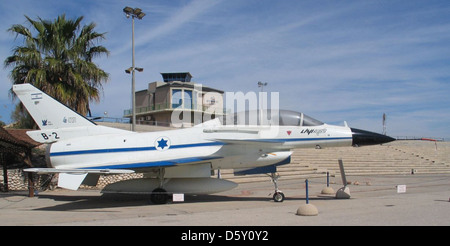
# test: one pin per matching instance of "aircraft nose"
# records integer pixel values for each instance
(362, 138)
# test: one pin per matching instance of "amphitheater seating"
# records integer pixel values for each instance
(399, 157)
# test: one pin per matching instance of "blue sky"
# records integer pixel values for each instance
(333, 60)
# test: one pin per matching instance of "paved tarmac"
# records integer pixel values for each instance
(374, 201)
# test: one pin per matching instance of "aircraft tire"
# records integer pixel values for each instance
(278, 196)
(159, 196)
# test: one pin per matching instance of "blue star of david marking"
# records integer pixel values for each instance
(162, 143)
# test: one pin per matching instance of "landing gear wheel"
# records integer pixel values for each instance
(278, 196)
(159, 196)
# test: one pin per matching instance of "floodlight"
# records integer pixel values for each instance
(137, 11)
(128, 11)
(141, 15)
(260, 84)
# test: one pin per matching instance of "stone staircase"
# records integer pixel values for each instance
(396, 158)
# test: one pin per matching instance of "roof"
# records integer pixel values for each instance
(180, 76)
(15, 139)
(190, 85)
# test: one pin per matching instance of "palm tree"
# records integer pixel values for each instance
(58, 60)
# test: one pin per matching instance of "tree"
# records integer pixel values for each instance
(56, 57)
(22, 118)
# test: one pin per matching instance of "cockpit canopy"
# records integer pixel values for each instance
(271, 117)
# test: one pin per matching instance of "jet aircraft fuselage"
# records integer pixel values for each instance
(225, 147)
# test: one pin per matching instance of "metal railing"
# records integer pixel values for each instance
(421, 138)
(165, 106)
(128, 121)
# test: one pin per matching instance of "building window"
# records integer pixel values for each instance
(177, 98)
(187, 99)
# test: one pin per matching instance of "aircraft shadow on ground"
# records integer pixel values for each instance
(74, 203)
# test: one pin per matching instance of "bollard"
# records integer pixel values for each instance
(328, 190)
(307, 199)
(328, 179)
(307, 209)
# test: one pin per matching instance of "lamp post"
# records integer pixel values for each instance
(133, 13)
(261, 84)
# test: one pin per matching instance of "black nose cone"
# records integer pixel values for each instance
(362, 138)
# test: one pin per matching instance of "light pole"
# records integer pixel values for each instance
(261, 84)
(134, 13)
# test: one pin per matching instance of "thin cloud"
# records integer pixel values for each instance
(333, 60)
(173, 22)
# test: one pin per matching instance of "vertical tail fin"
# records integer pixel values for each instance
(47, 112)
(56, 121)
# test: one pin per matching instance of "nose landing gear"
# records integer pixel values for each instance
(278, 196)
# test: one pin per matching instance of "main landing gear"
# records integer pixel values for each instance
(160, 195)
(278, 196)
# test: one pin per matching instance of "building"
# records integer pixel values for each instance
(177, 101)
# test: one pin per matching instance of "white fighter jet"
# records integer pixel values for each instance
(180, 160)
